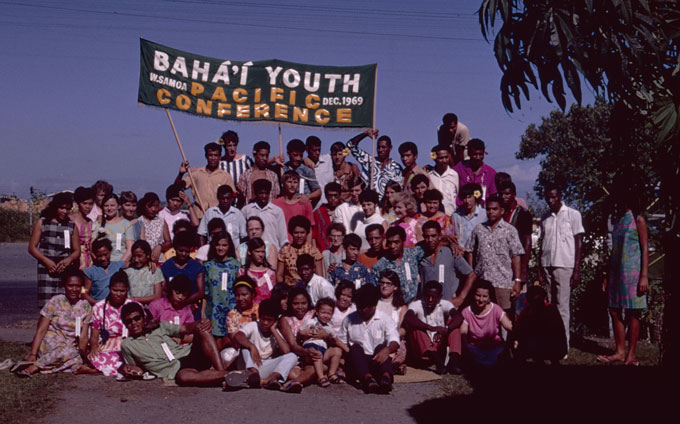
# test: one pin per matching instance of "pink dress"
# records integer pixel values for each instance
(106, 317)
(410, 229)
(265, 282)
(85, 238)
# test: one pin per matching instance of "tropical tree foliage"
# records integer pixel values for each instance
(626, 51)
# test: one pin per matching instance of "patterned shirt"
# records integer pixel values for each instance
(406, 268)
(494, 250)
(245, 183)
(219, 292)
(322, 220)
(357, 271)
(237, 167)
(143, 281)
(288, 256)
(380, 175)
(236, 319)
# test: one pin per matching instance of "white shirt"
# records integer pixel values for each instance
(94, 213)
(318, 288)
(314, 322)
(348, 214)
(447, 183)
(265, 345)
(324, 175)
(558, 248)
(202, 253)
(233, 220)
(275, 225)
(364, 222)
(378, 330)
(339, 316)
(170, 219)
(436, 318)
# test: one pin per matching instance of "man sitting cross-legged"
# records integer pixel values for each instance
(155, 350)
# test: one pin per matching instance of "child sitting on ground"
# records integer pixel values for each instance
(267, 356)
(320, 335)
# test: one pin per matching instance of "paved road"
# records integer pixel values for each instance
(18, 287)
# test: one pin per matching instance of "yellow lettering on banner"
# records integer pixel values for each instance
(292, 97)
(300, 114)
(218, 94)
(261, 110)
(240, 95)
(183, 102)
(162, 96)
(322, 116)
(196, 89)
(243, 111)
(344, 116)
(280, 111)
(275, 94)
(312, 101)
(204, 107)
(258, 95)
(223, 109)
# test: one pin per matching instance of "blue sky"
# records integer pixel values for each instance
(70, 71)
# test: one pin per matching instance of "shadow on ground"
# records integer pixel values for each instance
(557, 393)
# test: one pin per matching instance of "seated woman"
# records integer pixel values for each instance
(255, 229)
(145, 284)
(108, 330)
(405, 209)
(60, 341)
(482, 341)
(246, 311)
(157, 351)
(298, 311)
(393, 305)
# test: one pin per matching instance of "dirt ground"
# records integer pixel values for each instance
(100, 399)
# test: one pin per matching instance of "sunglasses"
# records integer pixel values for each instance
(132, 319)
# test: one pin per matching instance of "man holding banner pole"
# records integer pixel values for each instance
(206, 179)
(380, 168)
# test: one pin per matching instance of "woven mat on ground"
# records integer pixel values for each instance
(415, 375)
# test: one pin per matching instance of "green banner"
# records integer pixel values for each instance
(268, 90)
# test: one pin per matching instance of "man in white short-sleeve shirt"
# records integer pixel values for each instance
(560, 266)
(431, 325)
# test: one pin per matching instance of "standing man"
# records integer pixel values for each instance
(474, 170)
(519, 218)
(409, 157)
(444, 178)
(232, 162)
(208, 179)
(343, 171)
(385, 169)
(271, 215)
(321, 164)
(494, 252)
(561, 237)
(260, 171)
(308, 188)
(403, 261)
(233, 219)
(454, 134)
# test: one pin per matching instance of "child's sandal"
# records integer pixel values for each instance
(336, 379)
(323, 382)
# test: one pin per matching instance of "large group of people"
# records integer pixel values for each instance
(283, 273)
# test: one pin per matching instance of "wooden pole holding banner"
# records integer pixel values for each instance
(375, 100)
(280, 141)
(184, 158)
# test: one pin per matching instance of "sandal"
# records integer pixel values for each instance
(236, 379)
(273, 385)
(292, 387)
(21, 365)
(23, 374)
(371, 386)
(253, 379)
(336, 379)
(7, 363)
(323, 382)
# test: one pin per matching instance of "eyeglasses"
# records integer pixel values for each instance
(131, 319)
(386, 283)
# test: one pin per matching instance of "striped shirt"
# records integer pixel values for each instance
(236, 167)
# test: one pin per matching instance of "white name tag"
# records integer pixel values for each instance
(78, 319)
(407, 270)
(357, 284)
(269, 281)
(125, 332)
(441, 274)
(67, 239)
(169, 354)
(119, 242)
(175, 320)
(301, 189)
(224, 281)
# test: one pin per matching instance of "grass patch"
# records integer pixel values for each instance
(22, 400)
(14, 226)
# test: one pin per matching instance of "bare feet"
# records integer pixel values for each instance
(610, 359)
(85, 369)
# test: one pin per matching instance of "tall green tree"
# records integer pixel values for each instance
(624, 50)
